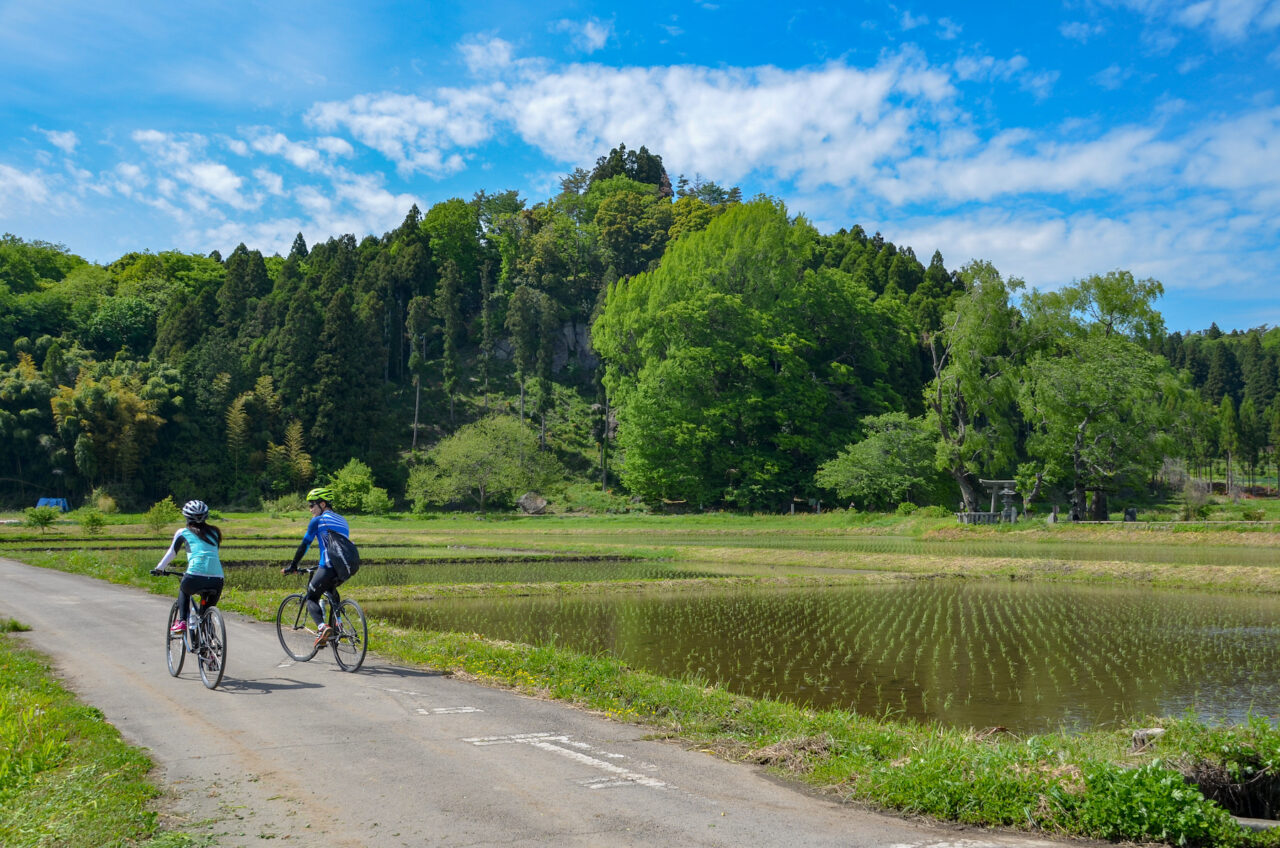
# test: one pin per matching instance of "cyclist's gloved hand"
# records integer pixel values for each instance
(291, 568)
(157, 571)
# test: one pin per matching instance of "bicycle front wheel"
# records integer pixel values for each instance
(175, 644)
(296, 631)
(212, 655)
(353, 636)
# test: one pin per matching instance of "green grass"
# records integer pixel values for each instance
(66, 777)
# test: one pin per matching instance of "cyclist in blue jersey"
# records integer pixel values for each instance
(204, 566)
(325, 580)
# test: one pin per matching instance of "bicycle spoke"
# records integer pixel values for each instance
(295, 630)
(353, 635)
(175, 643)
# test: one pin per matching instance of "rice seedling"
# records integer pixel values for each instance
(967, 654)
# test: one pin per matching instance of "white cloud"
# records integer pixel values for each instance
(949, 29)
(487, 55)
(183, 157)
(271, 182)
(1016, 163)
(1241, 155)
(64, 141)
(818, 125)
(910, 21)
(1233, 20)
(1047, 249)
(19, 190)
(415, 133)
(1229, 20)
(127, 179)
(1013, 69)
(1112, 77)
(335, 146)
(590, 35)
(1080, 30)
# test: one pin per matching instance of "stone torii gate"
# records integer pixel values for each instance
(998, 488)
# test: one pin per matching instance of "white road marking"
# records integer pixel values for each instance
(431, 710)
(618, 776)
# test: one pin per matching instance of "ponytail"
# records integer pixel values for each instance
(208, 533)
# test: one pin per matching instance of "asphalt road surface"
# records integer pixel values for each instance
(393, 756)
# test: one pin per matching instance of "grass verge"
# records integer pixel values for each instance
(67, 779)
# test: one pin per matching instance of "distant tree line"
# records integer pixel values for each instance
(673, 343)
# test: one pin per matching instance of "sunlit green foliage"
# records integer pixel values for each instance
(735, 365)
(495, 458)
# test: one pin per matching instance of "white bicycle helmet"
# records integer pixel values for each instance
(195, 510)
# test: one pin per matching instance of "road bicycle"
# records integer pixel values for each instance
(205, 637)
(297, 632)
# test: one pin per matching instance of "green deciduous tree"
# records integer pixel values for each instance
(892, 463)
(1092, 397)
(495, 458)
(733, 354)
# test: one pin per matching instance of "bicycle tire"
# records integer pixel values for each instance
(175, 648)
(295, 629)
(353, 637)
(212, 654)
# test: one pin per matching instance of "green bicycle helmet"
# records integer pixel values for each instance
(320, 493)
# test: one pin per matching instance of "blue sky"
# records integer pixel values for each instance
(1056, 139)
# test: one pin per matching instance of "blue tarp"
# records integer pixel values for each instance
(60, 503)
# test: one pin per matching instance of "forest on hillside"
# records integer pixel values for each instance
(664, 344)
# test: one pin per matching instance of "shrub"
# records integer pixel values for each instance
(162, 513)
(350, 485)
(1195, 502)
(934, 511)
(906, 508)
(290, 502)
(103, 502)
(494, 459)
(91, 521)
(1253, 515)
(42, 517)
(376, 502)
(587, 497)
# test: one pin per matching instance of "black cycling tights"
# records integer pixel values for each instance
(322, 581)
(198, 584)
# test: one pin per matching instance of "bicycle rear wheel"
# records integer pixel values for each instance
(353, 636)
(175, 643)
(212, 655)
(295, 629)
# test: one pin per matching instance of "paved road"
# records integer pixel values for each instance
(396, 756)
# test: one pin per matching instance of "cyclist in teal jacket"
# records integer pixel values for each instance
(325, 580)
(204, 566)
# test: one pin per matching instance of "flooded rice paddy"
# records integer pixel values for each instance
(1025, 656)
(982, 547)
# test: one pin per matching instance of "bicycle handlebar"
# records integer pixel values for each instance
(170, 573)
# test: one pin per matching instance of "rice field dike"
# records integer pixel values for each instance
(1112, 681)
